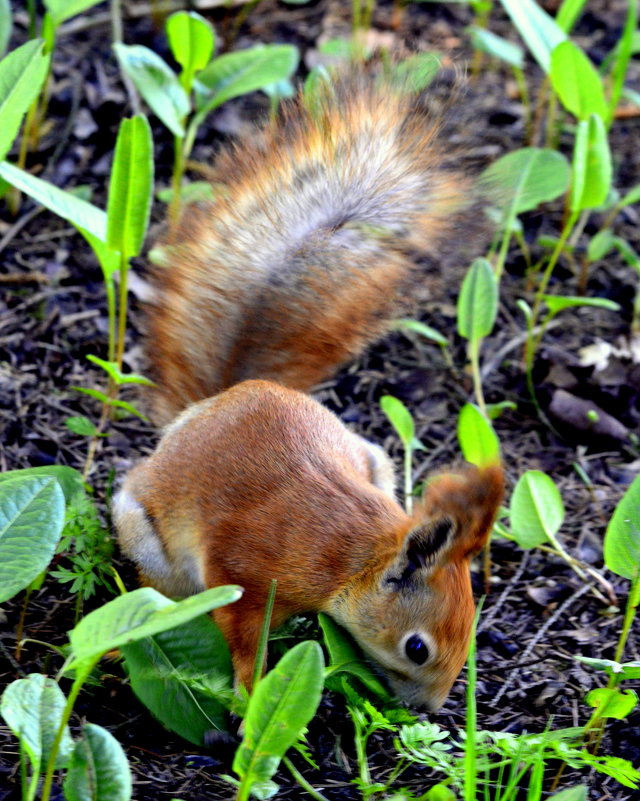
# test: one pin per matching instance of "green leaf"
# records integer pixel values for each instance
(108, 259)
(345, 657)
(399, 417)
(601, 244)
(62, 10)
(141, 613)
(70, 480)
(478, 301)
(157, 83)
(415, 73)
(576, 82)
(193, 192)
(130, 187)
(6, 25)
(22, 74)
(32, 708)
(592, 170)
(78, 212)
(191, 40)
(439, 792)
(624, 670)
(521, 180)
(612, 702)
(632, 196)
(81, 425)
(577, 793)
(625, 49)
(622, 538)
(281, 705)
(98, 769)
(497, 47)
(119, 378)
(568, 13)
(537, 510)
(420, 328)
(180, 674)
(478, 441)
(244, 71)
(537, 28)
(31, 521)
(556, 303)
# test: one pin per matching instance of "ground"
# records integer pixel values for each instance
(539, 614)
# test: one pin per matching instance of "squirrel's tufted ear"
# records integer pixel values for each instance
(423, 547)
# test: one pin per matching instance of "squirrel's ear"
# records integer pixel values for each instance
(423, 548)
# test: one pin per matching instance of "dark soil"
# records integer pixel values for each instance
(539, 614)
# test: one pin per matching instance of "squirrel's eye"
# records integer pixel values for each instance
(416, 649)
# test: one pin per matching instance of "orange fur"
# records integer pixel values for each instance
(262, 482)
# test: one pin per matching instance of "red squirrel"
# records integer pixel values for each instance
(297, 267)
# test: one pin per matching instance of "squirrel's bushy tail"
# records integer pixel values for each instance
(310, 250)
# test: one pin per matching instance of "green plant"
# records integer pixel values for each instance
(400, 418)
(183, 102)
(87, 548)
(536, 514)
(115, 237)
(621, 556)
(477, 310)
(37, 712)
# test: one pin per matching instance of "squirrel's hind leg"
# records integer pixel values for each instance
(140, 541)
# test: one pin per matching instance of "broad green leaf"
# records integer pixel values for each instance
(61, 10)
(104, 398)
(281, 705)
(193, 192)
(577, 793)
(399, 417)
(141, 613)
(568, 14)
(157, 83)
(78, 212)
(191, 40)
(478, 301)
(478, 441)
(98, 769)
(344, 657)
(22, 74)
(6, 25)
(70, 480)
(536, 511)
(420, 328)
(31, 521)
(130, 187)
(592, 170)
(244, 71)
(556, 303)
(497, 47)
(32, 709)
(612, 702)
(180, 675)
(79, 424)
(120, 378)
(622, 538)
(576, 82)
(521, 180)
(539, 31)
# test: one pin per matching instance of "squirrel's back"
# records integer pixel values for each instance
(311, 248)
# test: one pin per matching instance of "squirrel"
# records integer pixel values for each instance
(296, 268)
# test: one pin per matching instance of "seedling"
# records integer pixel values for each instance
(477, 310)
(183, 102)
(400, 418)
